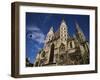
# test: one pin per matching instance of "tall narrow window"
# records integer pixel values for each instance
(51, 54)
(71, 46)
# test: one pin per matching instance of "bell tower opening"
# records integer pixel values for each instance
(51, 54)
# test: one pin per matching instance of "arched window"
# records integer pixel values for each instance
(71, 46)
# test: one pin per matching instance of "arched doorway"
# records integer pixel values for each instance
(51, 54)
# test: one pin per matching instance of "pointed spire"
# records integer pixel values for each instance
(80, 32)
(63, 21)
(51, 29)
(77, 27)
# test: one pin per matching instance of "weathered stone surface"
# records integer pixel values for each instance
(61, 49)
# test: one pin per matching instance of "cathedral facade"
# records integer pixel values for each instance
(62, 49)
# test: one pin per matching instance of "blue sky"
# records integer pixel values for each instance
(38, 25)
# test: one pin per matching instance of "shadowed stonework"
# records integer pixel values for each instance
(62, 49)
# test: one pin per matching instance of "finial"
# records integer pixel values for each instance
(63, 19)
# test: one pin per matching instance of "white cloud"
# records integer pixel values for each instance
(33, 28)
(36, 34)
(37, 47)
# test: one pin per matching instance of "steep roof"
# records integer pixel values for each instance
(56, 34)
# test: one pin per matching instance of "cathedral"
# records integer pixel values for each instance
(62, 49)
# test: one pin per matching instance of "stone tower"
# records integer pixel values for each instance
(63, 32)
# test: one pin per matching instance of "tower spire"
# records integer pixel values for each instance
(77, 27)
(63, 21)
(63, 32)
(51, 29)
(50, 35)
(80, 33)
